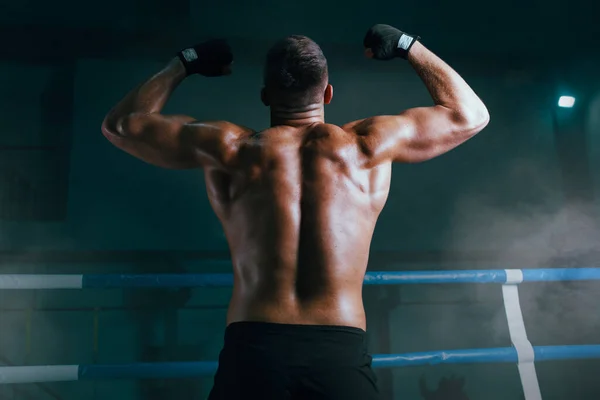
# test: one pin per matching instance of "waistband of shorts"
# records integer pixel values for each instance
(259, 327)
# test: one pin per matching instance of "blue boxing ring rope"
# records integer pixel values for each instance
(522, 352)
(130, 281)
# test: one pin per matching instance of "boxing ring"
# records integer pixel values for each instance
(522, 353)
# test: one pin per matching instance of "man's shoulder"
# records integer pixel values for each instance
(229, 128)
(342, 134)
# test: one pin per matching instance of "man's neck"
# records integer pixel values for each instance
(307, 116)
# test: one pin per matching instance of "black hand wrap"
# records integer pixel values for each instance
(210, 58)
(387, 42)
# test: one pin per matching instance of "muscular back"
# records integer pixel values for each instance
(299, 206)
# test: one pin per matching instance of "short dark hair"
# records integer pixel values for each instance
(296, 71)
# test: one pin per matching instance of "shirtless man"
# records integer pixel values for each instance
(298, 203)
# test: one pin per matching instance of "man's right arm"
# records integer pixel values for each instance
(423, 133)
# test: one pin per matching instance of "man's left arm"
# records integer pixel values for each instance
(136, 126)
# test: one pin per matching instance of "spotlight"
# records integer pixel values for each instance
(566, 101)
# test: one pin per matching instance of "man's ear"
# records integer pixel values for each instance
(328, 94)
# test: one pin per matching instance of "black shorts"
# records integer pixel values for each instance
(275, 361)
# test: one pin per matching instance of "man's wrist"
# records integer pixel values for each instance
(405, 44)
(415, 50)
(177, 68)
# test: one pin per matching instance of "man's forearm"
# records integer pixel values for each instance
(446, 86)
(149, 97)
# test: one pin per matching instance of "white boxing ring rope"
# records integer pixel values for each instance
(523, 353)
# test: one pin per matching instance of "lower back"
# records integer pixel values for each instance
(339, 307)
(301, 263)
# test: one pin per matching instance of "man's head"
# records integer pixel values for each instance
(295, 75)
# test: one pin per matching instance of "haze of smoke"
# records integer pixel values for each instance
(534, 224)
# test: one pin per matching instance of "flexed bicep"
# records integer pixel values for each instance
(175, 142)
(421, 133)
(416, 135)
(136, 125)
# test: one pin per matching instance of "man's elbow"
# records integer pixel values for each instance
(481, 118)
(473, 120)
(109, 126)
(115, 125)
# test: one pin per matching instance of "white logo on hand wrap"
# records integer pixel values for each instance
(189, 55)
(405, 42)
